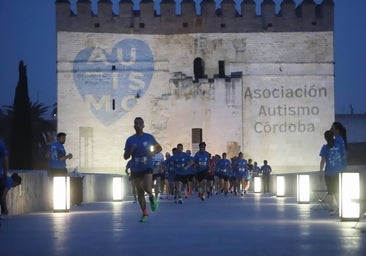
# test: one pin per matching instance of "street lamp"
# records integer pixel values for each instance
(303, 188)
(349, 195)
(61, 193)
(280, 182)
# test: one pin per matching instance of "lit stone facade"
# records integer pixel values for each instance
(267, 93)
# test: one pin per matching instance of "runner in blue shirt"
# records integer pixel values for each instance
(141, 147)
(158, 160)
(223, 170)
(241, 173)
(201, 160)
(170, 174)
(191, 173)
(182, 162)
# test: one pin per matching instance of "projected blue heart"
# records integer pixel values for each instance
(111, 81)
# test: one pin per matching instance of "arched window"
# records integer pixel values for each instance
(198, 68)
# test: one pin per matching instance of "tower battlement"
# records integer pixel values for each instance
(187, 18)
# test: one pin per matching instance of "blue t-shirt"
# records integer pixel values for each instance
(201, 160)
(158, 163)
(57, 152)
(141, 156)
(169, 169)
(338, 140)
(180, 161)
(241, 168)
(223, 166)
(192, 168)
(266, 170)
(3, 153)
(333, 159)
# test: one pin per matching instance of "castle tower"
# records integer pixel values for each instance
(239, 78)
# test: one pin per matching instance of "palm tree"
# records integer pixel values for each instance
(43, 130)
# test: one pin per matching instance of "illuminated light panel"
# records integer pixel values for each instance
(349, 195)
(280, 181)
(117, 188)
(61, 193)
(303, 188)
(257, 184)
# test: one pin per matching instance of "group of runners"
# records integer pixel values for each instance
(181, 174)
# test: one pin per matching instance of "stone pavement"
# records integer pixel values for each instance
(252, 225)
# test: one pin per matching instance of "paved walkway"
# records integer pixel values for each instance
(253, 225)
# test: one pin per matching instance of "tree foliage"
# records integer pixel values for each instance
(20, 156)
(25, 128)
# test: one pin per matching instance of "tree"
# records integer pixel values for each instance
(43, 131)
(20, 153)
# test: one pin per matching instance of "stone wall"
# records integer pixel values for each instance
(106, 80)
(206, 17)
(34, 194)
(257, 82)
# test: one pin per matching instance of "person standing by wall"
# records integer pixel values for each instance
(331, 158)
(340, 138)
(266, 171)
(141, 147)
(57, 157)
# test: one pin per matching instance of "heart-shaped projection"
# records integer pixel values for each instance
(110, 81)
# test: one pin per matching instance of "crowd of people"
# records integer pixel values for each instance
(181, 174)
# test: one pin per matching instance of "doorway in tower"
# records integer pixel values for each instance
(196, 139)
(198, 68)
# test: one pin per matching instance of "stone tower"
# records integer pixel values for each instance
(260, 82)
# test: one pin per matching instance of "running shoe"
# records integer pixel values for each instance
(143, 218)
(203, 198)
(180, 201)
(153, 203)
